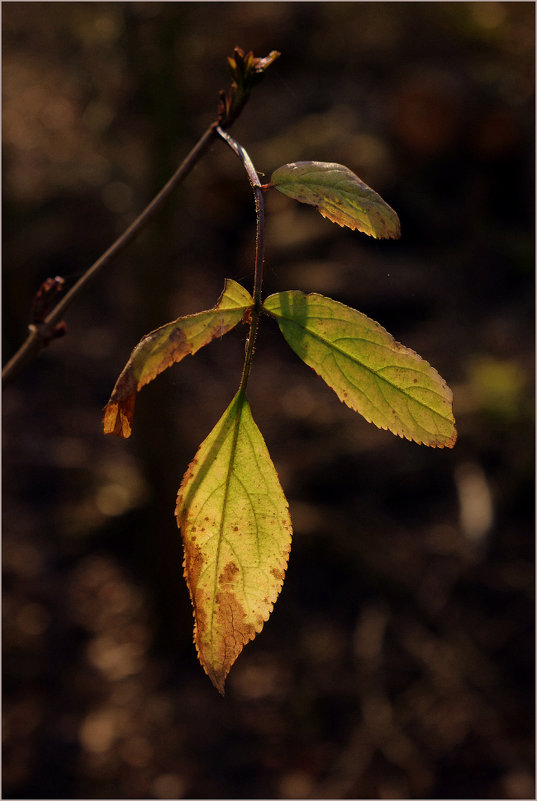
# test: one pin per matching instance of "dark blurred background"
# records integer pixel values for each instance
(398, 662)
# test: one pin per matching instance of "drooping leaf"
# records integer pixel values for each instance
(389, 384)
(339, 195)
(168, 344)
(236, 531)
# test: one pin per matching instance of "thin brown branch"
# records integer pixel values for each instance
(40, 335)
(246, 70)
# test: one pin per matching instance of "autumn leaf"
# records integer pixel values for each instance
(339, 195)
(168, 344)
(387, 383)
(236, 532)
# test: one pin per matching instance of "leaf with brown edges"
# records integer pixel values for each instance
(339, 195)
(236, 531)
(168, 344)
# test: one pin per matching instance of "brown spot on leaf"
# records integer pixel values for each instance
(194, 564)
(221, 637)
(228, 573)
(178, 341)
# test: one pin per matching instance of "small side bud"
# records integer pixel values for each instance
(45, 298)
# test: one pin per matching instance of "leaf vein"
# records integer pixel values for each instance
(330, 345)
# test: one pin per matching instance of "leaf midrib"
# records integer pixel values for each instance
(241, 400)
(349, 195)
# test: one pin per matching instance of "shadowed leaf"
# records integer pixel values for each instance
(236, 531)
(339, 195)
(390, 385)
(166, 345)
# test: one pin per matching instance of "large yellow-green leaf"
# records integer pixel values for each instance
(339, 195)
(236, 531)
(168, 344)
(390, 385)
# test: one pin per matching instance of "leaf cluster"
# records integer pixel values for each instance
(231, 509)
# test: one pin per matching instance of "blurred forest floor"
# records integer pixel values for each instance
(399, 659)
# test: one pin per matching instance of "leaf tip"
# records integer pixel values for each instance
(218, 680)
(445, 441)
(452, 440)
(395, 231)
(117, 417)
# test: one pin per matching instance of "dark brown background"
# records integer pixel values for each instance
(398, 661)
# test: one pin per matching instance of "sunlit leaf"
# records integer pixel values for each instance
(339, 195)
(236, 531)
(389, 384)
(168, 344)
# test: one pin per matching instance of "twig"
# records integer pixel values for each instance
(40, 335)
(255, 183)
(247, 70)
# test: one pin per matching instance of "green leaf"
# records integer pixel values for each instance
(236, 531)
(339, 195)
(168, 344)
(390, 385)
